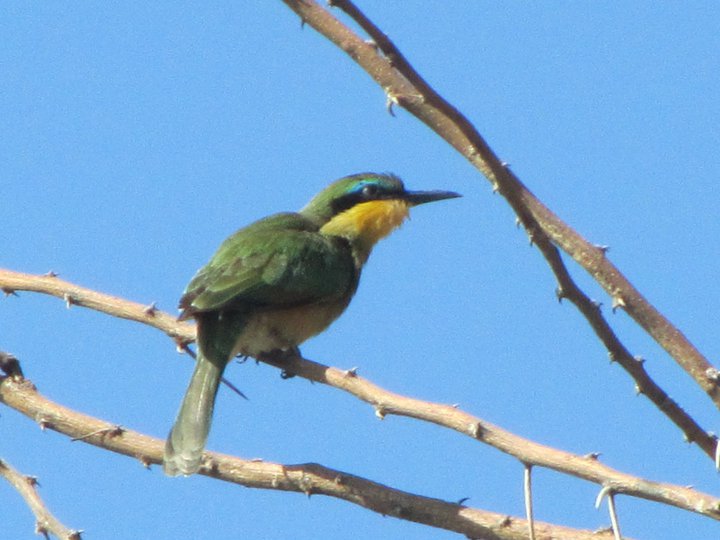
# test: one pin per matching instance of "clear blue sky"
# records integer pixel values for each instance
(136, 137)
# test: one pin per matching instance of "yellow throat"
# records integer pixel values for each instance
(366, 223)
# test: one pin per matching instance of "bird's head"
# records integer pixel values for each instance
(366, 207)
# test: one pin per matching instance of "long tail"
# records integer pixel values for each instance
(186, 442)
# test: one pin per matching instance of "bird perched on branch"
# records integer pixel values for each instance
(277, 282)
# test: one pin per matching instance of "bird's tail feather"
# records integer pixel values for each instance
(186, 442)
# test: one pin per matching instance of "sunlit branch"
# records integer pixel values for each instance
(307, 478)
(45, 522)
(388, 403)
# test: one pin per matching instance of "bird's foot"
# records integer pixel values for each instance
(282, 358)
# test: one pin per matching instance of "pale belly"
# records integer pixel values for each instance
(283, 329)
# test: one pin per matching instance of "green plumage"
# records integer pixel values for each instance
(270, 286)
(279, 260)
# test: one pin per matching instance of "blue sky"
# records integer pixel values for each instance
(136, 137)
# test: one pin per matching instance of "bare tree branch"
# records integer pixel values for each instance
(404, 86)
(112, 305)
(386, 402)
(307, 478)
(45, 522)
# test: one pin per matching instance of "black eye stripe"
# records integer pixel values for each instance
(369, 192)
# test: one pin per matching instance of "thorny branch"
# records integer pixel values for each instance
(405, 87)
(307, 478)
(45, 522)
(387, 403)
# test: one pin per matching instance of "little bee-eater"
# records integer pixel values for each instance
(278, 282)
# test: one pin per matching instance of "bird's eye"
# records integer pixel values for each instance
(369, 191)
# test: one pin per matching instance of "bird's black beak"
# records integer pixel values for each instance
(422, 197)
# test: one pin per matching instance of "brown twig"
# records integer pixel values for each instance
(608, 492)
(386, 403)
(644, 384)
(403, 85)
(526, 451)
(74, 295)
(45, 522)
(527, 493)
(307, 478)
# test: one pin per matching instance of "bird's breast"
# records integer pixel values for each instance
(269, 329)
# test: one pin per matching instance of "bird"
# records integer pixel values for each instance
(277, 282)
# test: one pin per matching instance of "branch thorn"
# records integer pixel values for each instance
(10, 366)
(234, 388)
(390, 102)
(41, 530)
(606, 490)
(305, 484)
(32, 480)
(111, 431)
(150, 310)
(352, 372)
(603, 248)
(69, 300)
(182, 347)
(372, 43)
(713, 374)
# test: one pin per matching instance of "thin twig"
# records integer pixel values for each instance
(644, 384)
(45, 522)
(527, 492)
(607, 491)
(613, 516)
(112, 305)
(387, 403)
(307, 478)
(185, 347)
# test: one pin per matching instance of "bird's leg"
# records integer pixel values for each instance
(282, 358)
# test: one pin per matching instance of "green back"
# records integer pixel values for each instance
(281, 260)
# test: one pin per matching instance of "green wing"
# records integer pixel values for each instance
(280, 260)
